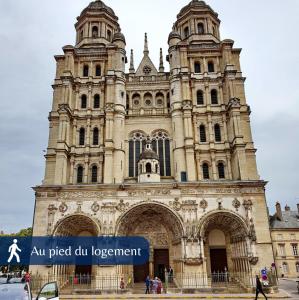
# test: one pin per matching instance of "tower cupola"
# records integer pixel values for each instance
(97, 24)
(197, 21)
(148, 164)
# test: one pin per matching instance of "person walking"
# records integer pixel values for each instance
(147, 284)
(259, 288)
(155, 285)
(159, 286)
(122, 284)
(170, 274)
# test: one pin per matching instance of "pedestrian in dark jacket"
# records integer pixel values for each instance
(147, 284)
(259, 288)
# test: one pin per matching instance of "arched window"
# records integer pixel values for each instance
(217, 132)
(82, 137)
(197, 68)
(109, 35)
(161, 145)
(95, 31)
(200, 28)
(96, 101)
(85, 71)
(98, 70)
(136, 145)
(94, 174)
(83, 101)
(205, 171)
(95, 136)
(81, 35)
(214, 31)
(168, 100)
(221, 171)
(202, 133)
(127, 102)
(211, 68)
(148, 168)
(186, 32)
(80, 174)
(199, 97)
(214, 96)
(297, 267)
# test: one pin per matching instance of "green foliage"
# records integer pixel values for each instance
(22, 232)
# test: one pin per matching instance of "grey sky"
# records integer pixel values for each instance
(32, 31)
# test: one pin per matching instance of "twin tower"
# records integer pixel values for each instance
(195, 115)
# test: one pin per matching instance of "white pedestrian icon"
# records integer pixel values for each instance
(13, 251)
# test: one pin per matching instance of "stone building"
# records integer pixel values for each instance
(165, 155)
(284, 226)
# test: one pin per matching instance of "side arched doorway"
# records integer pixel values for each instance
(226, 243)
(72, 226)
(163, 229)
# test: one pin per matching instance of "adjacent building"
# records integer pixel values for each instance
(167, 155)
(285, 236)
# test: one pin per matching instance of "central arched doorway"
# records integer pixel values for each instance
(226, 243)
(163, 229)
(76, 225)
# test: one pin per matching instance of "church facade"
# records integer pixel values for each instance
(164, 155)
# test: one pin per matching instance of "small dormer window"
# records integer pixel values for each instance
(95, 32)
(186, 32)
(200, 28)
(147, 70)
(109, 35)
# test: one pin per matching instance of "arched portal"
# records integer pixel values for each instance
(76, 225)
(225, 241)
(163, 229)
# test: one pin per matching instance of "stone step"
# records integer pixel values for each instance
(167, 296)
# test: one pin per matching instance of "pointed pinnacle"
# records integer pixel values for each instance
(145, 51)
(161, 66)
(132, 69)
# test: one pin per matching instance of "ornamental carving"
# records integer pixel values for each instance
(109, 207)
(253, 260)
(51, 212)
(74, 195)
(176, 204)
(203, 204)
(122, 206)
(247, 204)
(63, 207)
(194, 261)
(95, 207)
(158, 192)
(52, 209)
(234, 103)
(236, 204)
(187, 104)
(109, 107)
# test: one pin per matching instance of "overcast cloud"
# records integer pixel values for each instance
(33, 31)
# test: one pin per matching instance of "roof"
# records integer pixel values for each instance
(99, 5)
(148, 154)
(195, 4)
(290, 220)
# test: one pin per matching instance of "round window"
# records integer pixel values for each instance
(147, 70)
(136, 102)
(148, 102)
(159, 101)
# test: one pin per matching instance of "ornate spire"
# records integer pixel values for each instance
(161, 66)
(145, 51)
(132, 69)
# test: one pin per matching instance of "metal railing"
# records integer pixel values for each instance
(84, 282)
